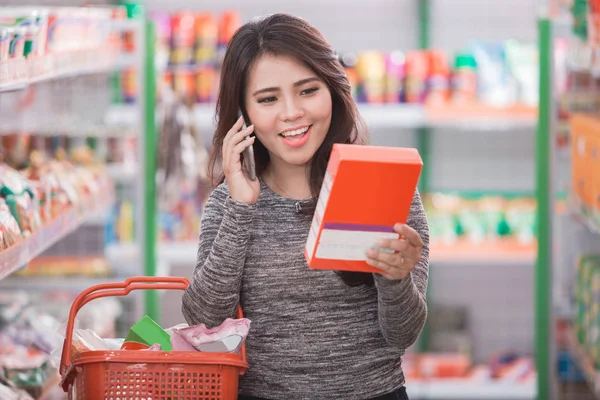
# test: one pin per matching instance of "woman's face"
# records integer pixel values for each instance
(290, 108)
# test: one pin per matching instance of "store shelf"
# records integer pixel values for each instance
(481, 117)
(17, 256)
(384, 116)
(18, 73)
(466, 390)
(505, 251)
(176, 253)
(592, 375)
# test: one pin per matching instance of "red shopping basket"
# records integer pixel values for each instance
(146, 375)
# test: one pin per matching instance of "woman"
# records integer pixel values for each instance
(315, 334)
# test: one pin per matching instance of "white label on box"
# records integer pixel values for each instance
(311, 242)
(351, 245)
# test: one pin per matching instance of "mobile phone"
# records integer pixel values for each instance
(248, 162)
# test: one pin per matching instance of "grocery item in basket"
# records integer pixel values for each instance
(9, 228)
(225, 338)
(146, 333)
(88, 340)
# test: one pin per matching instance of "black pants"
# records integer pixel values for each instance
(399, 394)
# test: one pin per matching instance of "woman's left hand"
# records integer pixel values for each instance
(402, 254)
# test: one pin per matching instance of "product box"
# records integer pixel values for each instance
(366, 190)
(580, 160)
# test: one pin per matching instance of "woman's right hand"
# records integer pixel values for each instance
(241, 187)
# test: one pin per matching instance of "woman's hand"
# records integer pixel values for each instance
(241, 187)
(400, 256)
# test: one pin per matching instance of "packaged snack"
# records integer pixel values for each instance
(225, 338)
(20, 198)
(10, 233)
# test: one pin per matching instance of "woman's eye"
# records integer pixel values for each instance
(309, 91)
(267, 99)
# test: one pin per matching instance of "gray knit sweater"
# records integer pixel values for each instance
(312, 337)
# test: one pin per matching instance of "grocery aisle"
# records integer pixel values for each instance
(91, 191)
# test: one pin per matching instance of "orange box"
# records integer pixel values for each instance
(366, 190)
(583, 129)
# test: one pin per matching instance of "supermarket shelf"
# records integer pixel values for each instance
(479, 117)
(500, 252)
(504, 252)
(183, 253)
(465, 390)
(17, 256)
(385, 116)
(18, 73)
(585, 363)
(416, 115)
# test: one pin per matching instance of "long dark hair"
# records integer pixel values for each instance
(283, 34)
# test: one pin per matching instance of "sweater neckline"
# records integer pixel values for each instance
(279, 197)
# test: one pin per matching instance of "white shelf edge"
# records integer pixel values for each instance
(464, 390)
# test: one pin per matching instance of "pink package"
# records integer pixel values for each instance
(226, 338)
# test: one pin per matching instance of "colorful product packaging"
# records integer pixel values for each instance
(371, 71)
(357, 206)
(394, 77)
(463, 84)
(438, 79)
(417, 70)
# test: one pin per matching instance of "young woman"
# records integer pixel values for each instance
(315, 334)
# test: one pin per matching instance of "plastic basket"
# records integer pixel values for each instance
(146, 375)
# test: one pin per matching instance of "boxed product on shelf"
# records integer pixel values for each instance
(480, 218)
(587, 295)
(585, 164)
(39, 41)
(494, 73)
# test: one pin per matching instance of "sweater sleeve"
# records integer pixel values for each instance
(402, 304)
(214, 291)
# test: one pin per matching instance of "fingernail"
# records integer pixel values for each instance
(370, 253)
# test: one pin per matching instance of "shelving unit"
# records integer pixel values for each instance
(16, 257)
(562, 239)
(73, 70)
(17, 74)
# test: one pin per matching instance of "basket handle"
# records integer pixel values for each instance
(120, 289)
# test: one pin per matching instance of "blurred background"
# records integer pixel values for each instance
(106, 121)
